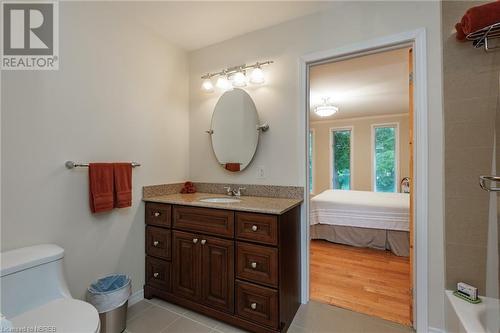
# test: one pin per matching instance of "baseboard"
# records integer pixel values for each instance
(435, 330)
(136, 297)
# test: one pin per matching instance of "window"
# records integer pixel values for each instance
(311, 162)
(385, 158)
(341, 158)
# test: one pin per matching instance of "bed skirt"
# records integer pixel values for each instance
(398, 242)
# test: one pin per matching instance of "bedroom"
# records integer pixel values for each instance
(359, 178)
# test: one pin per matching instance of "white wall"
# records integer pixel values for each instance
(361, 150)
(282, 149)
(120, 95)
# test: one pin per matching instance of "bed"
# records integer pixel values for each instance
(361, 218)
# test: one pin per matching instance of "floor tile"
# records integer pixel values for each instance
(169, 306)
(137, 308)
(225, 328)
(185, 325)
(152, 320)
(207, 321)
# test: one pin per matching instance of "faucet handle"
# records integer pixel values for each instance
(228, 190)
(238, 193)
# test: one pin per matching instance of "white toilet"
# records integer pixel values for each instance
(34, 292)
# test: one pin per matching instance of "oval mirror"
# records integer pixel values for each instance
(234, 130)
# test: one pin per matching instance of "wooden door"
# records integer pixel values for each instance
(217, 273)
(186, 265)
(412, 177)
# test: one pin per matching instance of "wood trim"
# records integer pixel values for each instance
(412, 179)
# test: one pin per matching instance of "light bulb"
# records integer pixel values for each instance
(223, 83)
(207, 86)
(257, 76)
(239, 79)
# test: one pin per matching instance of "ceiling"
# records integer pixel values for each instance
(195, 24)
(370, 85)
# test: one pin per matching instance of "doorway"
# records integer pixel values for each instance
(418, 240)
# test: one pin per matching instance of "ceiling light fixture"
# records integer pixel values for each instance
(238, 77)
(326, 108)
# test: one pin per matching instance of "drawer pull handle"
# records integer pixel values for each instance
(195, 240)
(254, 228)
(253, 306)
(156, 214)
(203, 241)
(156, 243)
(253, 264)
(155, 275)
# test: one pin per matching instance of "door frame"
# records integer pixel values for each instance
(417, 39)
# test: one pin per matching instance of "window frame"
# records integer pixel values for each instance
(397, 154)
(312, 143)
(351, 152)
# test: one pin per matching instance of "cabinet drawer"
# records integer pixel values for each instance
(158, 273)
(204, 220)
(158, 214)
(257, 263)
(260, 228)
(158, 242)
(256, 303)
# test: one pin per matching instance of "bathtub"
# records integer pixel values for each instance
(464, 317)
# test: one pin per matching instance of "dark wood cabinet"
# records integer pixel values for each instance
(217, 273)
(186, 265)
(238, 267)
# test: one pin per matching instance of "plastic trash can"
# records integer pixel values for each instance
(109, 295)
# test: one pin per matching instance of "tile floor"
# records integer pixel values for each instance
(157, 316)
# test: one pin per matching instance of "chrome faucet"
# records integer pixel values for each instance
(232, 192)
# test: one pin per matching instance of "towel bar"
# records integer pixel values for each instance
(486, 183)
(72, 164)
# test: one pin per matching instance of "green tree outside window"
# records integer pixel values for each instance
(385, 159)
(341, 141)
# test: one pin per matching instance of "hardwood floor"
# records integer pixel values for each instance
(364, 280)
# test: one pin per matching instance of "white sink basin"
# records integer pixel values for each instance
(220, 200)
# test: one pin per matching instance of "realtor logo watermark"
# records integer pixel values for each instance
(30, 35)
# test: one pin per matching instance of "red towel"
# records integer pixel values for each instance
(232, 167)
(101, 187)
(460, 32)
(123, 185)
(478, 17)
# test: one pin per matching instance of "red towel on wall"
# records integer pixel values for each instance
(478, 17)
(232, 167)
(101, 187)
(123, 184)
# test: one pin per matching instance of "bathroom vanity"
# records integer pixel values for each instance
(236, 262)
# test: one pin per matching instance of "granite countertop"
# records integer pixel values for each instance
(247, 204)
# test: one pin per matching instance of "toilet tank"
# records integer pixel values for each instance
(30, 277)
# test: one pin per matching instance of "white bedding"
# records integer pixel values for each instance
(362, 209)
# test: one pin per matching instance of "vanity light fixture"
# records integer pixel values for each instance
(239, 79)
(235, 77)
(326, 108)
(207, 86)
(257, 76)
(223, 83)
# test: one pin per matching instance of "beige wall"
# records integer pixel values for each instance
(282, 149)
(120, 95)
(470, 96)
(361, 150)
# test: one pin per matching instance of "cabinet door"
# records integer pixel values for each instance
(217, 277)
(186, 265)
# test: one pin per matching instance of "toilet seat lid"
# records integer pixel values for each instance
(64, 314)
